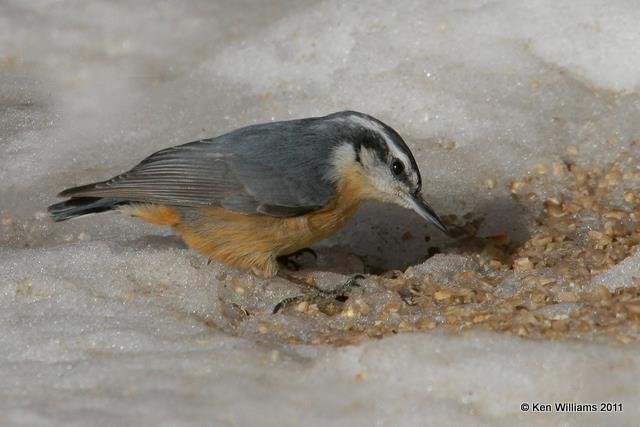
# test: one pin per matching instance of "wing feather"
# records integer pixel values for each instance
(272, 169)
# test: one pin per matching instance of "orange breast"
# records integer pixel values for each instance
(254, 241)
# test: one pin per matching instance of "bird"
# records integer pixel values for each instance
(264, 191)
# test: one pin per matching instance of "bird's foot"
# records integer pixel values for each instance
(313, 294)
(288, 302)
(292, 265)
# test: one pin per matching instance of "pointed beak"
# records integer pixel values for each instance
(424, 210)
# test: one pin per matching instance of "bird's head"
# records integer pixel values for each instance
(381, 158)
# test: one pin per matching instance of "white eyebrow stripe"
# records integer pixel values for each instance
(367, 123)
(376, 127)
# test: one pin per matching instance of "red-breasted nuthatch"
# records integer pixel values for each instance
(259, 192)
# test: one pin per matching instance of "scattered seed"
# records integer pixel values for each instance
(572, 151)
(522, 264)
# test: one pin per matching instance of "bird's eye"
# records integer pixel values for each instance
(397, 167)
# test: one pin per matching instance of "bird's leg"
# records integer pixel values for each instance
(341, 291)
(287, 262)
(313, 293)
(305, 284)
(305, 250)
(287, 302)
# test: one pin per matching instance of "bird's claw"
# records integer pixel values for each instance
(305, 250)
(289, 263)
(340, 294)
(287, 302)
(344, 288)
(294, 265)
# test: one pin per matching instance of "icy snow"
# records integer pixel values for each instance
(102, 318)
(620, 275)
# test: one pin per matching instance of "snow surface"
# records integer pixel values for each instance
(102, 318)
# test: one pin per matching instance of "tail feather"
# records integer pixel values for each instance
(78, 206)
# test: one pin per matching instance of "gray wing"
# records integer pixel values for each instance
(264, 169)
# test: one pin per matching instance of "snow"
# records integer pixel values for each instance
(621, 275)
(109, 321)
